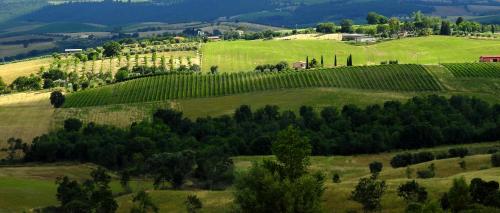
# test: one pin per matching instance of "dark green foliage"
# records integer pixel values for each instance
(445, 28)
(375, 167)
(54, 74)
(281, 66)
(193, 204)
(288, 186)
(373, 129)
(327, 27)
(24, 83)
(430, 172)
(375, 18)
(91, 196)
(458, 152)
(143, 203)
(369, 192)
(57, 99)
(412, 192)
(171, 167)
(484, 192)
(458, 196)
(495, 160)
(112, 49)
(346, 26)
(215, 168)
(121, 74)
(406, 159)
(336, 178)
(72, 124)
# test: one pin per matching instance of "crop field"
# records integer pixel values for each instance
(475, 70)
(9, 72)
(179, 86)
(33, 186)
(237, 56)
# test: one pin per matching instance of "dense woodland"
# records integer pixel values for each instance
(420, 122)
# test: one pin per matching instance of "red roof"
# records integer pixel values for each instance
(490, 56)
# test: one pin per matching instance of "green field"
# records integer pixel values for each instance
(405, 78)
(476, 70)
(32, 186)
(237, 56)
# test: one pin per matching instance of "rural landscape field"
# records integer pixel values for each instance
(281, 106)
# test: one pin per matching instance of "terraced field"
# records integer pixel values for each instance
(403, 78)
(474, 70)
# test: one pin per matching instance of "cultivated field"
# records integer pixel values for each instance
(33, 186)
(9, 72)
(177, 86)
(480, 70)
(237, 56)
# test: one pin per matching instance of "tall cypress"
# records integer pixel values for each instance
(335, 62)
(322, 63)
(307, 62)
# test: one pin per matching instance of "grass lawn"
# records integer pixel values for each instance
(32, 186)
(235, 56)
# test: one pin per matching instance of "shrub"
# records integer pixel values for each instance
(376, 167)
(401, 160)
(411, 191)
(336, 178)
(72, 124)
(424, 174)
(193, 204)
(57, 99)
(458, 152)
(430, 172)
(495, 160)
(422, 157)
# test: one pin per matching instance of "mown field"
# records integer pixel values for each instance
(237, 56)
(405, 78)
(32, 186)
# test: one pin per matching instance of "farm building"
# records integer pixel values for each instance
(299, 65)
(490, 58)
(73, 50)
(357, 37)
(214, 38)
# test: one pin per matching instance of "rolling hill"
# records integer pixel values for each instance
(269, 12)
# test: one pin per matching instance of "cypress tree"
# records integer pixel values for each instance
(335, 62)
(307, 62)
(322, 64)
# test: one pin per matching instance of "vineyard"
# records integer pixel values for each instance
(178, 86)
(474, 70)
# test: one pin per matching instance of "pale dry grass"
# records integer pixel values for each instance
(25, 116)
(24, 98)
(9, 72)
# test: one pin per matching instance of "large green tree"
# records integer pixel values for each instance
(289, 188)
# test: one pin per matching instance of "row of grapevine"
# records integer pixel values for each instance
(179, 86)
(474, 70)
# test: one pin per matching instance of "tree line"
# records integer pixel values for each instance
(420, 122)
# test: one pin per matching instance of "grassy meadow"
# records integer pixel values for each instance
(236, 56)
(33, 186)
